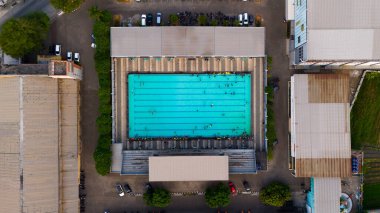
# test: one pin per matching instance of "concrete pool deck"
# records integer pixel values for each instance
(124, 66)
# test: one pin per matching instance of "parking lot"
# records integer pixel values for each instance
(73, 32)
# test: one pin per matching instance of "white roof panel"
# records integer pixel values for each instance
(343, 30)
(188, 168)
(327, 193)
(187, 41)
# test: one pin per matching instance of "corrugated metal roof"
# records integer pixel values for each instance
(188, 168)
(187, 41)
(327, 193)
(343, 14)
(9, 145)
(343, 30)
(69, 146)
(320, 125)
(30, 106)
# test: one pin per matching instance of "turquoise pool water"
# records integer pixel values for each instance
(189, 105)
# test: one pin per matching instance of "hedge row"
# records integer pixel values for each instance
(103, 154)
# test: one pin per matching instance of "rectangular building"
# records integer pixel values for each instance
(39, 144)
(188, 168)
(337, 32)
(320, 125)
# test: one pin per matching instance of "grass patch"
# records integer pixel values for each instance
(271, 133)
(103, 154)
(371, 196)
(365, 115)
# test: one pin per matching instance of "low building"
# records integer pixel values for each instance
(320, 136)
(183, 96)
(39, 144)
(320, 125)
(336, 33)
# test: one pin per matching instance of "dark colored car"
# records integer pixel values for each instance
(251, 20)
(127, 188)
(246, 185)
(148, 187)
(232, 188)
(120, 190)
(149, 19)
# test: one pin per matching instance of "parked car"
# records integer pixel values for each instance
(232, 188)
(149, 19)
(148, 187)
(120, 190)
(251, 20)
(158, 19)
(127, 188)
(143, 20)
(93, 45)
(69, 56)
(76, 57)
(246, 185)
(241, 19)
(258, 166)
(57, 49)
(245, 17)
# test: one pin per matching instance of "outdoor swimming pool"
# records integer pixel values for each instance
(189, 105)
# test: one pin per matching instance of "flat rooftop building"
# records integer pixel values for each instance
(320, 136)
(320, 125)
(336, 32)
(182, 94)
(39, 144)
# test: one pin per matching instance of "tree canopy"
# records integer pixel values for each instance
(66, 6)
(275, 194)
(157, 198)
(218, 196)
(24, 35)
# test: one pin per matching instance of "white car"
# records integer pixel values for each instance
(158, 22)
(57, 49)
(240, 19)
(245, 17)
(76, 57)
(143, 20)
(69, 56)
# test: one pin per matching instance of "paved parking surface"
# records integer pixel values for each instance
(73, 32)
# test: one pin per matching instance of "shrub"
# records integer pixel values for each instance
(103, 154)
(214, 22)
(275, 194)
(66, 6)
(218, 196)
(157, 198)
(202, 20)
(174, 19)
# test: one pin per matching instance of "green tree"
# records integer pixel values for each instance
(275, 194)
(19, 37)
(157, 198)
(66, 6)
(95, 13)
(218, 196)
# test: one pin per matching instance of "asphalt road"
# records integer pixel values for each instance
(27, 7)
(73, 32)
